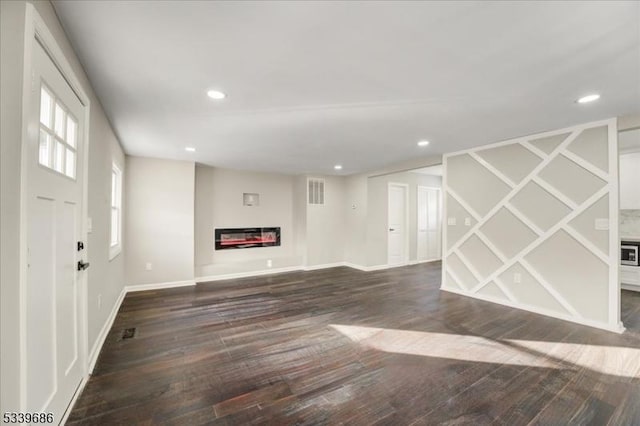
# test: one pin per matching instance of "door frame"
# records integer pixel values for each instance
(441, 209)
(405, 186)
(36, 31)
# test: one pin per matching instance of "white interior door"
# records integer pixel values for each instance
(429, 239)
(397, 229)
(54, 359)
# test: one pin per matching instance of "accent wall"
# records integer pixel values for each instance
(533, 223)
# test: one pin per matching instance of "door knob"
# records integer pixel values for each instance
(391, 229)
(82, 266)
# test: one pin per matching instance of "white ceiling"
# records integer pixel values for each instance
(313, 84)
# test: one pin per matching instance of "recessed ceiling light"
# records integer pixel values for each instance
(190, 149)
(588, 98)
(338, 167)
(216, 94)
(423, 143)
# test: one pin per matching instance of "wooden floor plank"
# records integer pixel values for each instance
(342, 346)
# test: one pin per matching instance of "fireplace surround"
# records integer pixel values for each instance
(242, 238)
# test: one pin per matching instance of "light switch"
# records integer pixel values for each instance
(517, 278)
(148, 266)
(467, 221)
(602, 224)
(89, 225)
(451, 221)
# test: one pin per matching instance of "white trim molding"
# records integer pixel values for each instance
(540, 236)
(158, 286)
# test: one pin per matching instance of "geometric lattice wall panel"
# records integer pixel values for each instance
(480, 256)
(540, 207)
(533, 204)
(572, 180)
(450, 281)
(476, 185)
(459, 213)
(548, 144)
(592, 145)
(493, 291)
(575, 273)
(529, 291)
(514, 161)
(461, 273)
(585, 222)
(508, 233)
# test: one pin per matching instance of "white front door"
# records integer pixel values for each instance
(54, 359)
(429, 223)
(397, 229)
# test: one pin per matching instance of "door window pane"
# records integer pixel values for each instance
(60, 118)
(72, 126)
(58, 163)
(44, 155)
(45, 107)
(70, 164)
(58, 138)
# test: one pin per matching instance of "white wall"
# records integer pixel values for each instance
(12, 15)
(532, 241)
(159, 220)
(300, 218)
(325, 234)
(219, 204)
(105, 278)
(630, 181)
(355, 229)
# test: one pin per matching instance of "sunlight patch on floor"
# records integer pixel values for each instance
(614, 360)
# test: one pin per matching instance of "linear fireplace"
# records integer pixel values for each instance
(239, 238)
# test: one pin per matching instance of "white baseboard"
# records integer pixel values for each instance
(159, 286)
(619, 328)
(354, 266)
(366, 268)
(416, 262)
(323, 266)
(249, 274)
(102, 336)
(76, 395)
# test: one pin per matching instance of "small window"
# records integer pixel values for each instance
(116, 212)
(58, 135)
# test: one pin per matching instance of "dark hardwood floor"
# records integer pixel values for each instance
(341, 346)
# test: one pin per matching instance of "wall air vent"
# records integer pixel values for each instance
(315, 191)
(128, 333)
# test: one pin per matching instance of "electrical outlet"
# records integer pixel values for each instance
(99, 301)
(148, 266)
(269, 263)
(467, 221)
(517, 278)
(451, 221)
